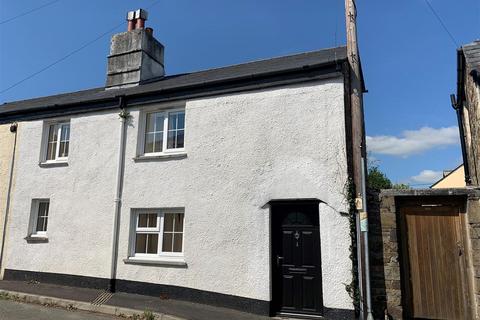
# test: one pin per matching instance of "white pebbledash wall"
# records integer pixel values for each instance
(242, 151)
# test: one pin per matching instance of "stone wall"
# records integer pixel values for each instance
(473, 214)
(384, 238)
(472, 127)
(384, 262)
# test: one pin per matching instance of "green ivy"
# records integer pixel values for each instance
(353, 288)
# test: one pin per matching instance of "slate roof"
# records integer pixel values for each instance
(246, 71)
(472, 55)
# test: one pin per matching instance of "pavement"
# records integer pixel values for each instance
(117, 304)
(12, 310)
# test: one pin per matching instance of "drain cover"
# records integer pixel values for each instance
(103, 297)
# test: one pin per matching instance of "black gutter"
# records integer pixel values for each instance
(197, 90)
(458, 105)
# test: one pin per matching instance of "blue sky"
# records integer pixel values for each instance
(409, 61)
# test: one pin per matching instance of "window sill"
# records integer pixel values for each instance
(161, 157)
(36, 239)
(177, 261)
(53, 164)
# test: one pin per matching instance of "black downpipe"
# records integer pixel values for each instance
(459, 111)
(457, 104)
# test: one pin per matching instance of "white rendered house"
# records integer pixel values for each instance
(225, 186)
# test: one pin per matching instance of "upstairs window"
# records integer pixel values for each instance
(164, 132)
(58, 141)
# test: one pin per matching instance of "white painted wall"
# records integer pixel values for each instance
(81, 199)
(243, 150)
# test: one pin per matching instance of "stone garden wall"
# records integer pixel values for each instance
(384, 238)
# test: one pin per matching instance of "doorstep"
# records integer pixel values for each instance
(118, 303)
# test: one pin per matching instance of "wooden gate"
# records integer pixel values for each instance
(435, 262)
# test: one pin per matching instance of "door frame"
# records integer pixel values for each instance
(457, 203)
(275, 304)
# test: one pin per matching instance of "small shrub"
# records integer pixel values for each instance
(4, 296)
(148, 315)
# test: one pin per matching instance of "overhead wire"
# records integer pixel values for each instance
(442, 23)
(71, 53)
(28, 12)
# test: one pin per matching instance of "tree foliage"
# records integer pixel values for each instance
(377, 180)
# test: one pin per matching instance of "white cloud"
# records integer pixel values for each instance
(427, 177)
(413, 141)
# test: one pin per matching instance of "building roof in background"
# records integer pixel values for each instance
(451, 179)
(232, 75)
(472, 55)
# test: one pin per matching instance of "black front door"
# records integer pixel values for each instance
(297, 277)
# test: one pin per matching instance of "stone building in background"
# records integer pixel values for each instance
(467, 105)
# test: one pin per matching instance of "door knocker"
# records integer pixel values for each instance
(297, 236)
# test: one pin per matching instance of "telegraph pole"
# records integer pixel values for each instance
(359, 158)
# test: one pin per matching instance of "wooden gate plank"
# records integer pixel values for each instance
(436, 270)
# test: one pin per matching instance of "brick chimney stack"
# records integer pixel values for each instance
(135, 56)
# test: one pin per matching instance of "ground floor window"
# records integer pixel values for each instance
(157, 233)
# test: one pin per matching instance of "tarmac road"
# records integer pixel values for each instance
(12, 310)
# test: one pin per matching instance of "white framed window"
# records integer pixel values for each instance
(39, 217)
(57, 141)
(164, 132)
(157, 233)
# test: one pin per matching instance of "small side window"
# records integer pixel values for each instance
(39, 219)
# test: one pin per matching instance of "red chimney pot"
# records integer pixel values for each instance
(136, 19)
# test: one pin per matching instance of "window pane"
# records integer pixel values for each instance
(52, 143)
(180, 139)
(152, 220)
(181, 120)
(42, 216)
(43, 208)
(167, 242)
(149, 138)
(40, 223)
(141, 243)
(171, 140)
(152, 243)
(45, 221)
(172, 121)
(158, 142)
(142, 220)
(65, 135)
(159, 119)
(150, 127)
(51, 149)
(147, 220)
(64, 149)
(177, 242)
(178, 222)
(168, 225)
(52, 134)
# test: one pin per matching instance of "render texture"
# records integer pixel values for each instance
(242, 150)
